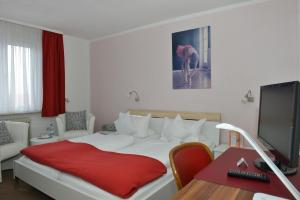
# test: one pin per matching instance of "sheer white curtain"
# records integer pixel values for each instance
(20, 68)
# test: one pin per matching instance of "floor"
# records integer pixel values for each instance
(18, 190)
(201, 79)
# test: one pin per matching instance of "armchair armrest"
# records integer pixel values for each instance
(19, 131)
(60, 126)
(91, 123)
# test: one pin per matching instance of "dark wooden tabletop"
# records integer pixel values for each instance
(198, 189)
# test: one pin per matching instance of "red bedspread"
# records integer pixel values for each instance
(119, 174)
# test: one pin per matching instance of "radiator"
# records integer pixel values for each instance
(16, 119)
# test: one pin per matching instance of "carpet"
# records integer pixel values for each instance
(11, 189)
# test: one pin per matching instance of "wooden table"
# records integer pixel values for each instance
(203, 190)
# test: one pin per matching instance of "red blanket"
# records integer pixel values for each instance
(119, 174)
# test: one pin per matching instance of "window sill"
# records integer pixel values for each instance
(23, 113)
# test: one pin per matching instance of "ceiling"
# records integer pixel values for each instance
(92, 19)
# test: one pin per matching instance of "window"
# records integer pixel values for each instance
(205, 44)
(20, 69)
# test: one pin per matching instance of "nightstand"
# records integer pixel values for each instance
(218, 150)
(37, 140)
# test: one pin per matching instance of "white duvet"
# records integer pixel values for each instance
(106, 142)
(150, 147)
(157, 149)
(154, 148)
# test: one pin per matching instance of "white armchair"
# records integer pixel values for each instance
(61, 126)
(19, 133)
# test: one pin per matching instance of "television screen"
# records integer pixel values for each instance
(278, 121)
(276, 118)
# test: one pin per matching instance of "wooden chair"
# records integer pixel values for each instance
(187, 160)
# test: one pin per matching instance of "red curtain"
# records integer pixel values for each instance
(53, 74)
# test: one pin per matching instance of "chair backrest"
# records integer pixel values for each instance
(187, 160)
(19, 131)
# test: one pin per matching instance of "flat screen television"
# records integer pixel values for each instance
(279, 124)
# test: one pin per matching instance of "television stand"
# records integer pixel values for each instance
(261, 164)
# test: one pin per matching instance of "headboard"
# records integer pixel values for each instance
(184, 115)
(209, 128)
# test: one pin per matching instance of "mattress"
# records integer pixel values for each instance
(153, 148)
(142, 193)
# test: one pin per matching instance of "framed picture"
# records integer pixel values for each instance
(191, 52)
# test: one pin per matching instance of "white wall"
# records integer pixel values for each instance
(77, 55)
(77, 65)
(252, 45)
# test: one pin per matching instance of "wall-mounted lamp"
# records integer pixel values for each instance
(248, 98)
(67, 100)
(136, 95)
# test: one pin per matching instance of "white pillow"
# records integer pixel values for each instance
(124, 124)
(180, 130)
(203, 139)
(195, 130)
(133, 125)
(151, 132)
(174, 130)
(207, 141)
(165, 129)
(141, 124)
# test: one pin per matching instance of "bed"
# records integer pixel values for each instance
(63, 186)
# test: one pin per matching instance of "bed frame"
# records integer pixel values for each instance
(172, 114)
(62, 191)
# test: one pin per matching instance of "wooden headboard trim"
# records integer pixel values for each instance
(172, 114)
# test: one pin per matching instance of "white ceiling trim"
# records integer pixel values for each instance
(30, 25)
(181, 18)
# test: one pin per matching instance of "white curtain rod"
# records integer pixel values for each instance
(30, 25)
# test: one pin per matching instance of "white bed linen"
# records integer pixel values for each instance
(154, 148)
(146, 139)
(157, 149)
(153, 136)
(106, 142)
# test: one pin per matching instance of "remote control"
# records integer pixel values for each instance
(248, 175)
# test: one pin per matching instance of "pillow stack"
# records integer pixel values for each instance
(173, 130)
(180, 131)
(134, 125)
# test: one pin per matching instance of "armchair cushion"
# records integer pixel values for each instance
(5, 137)
(76, 120)
(10, 150)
